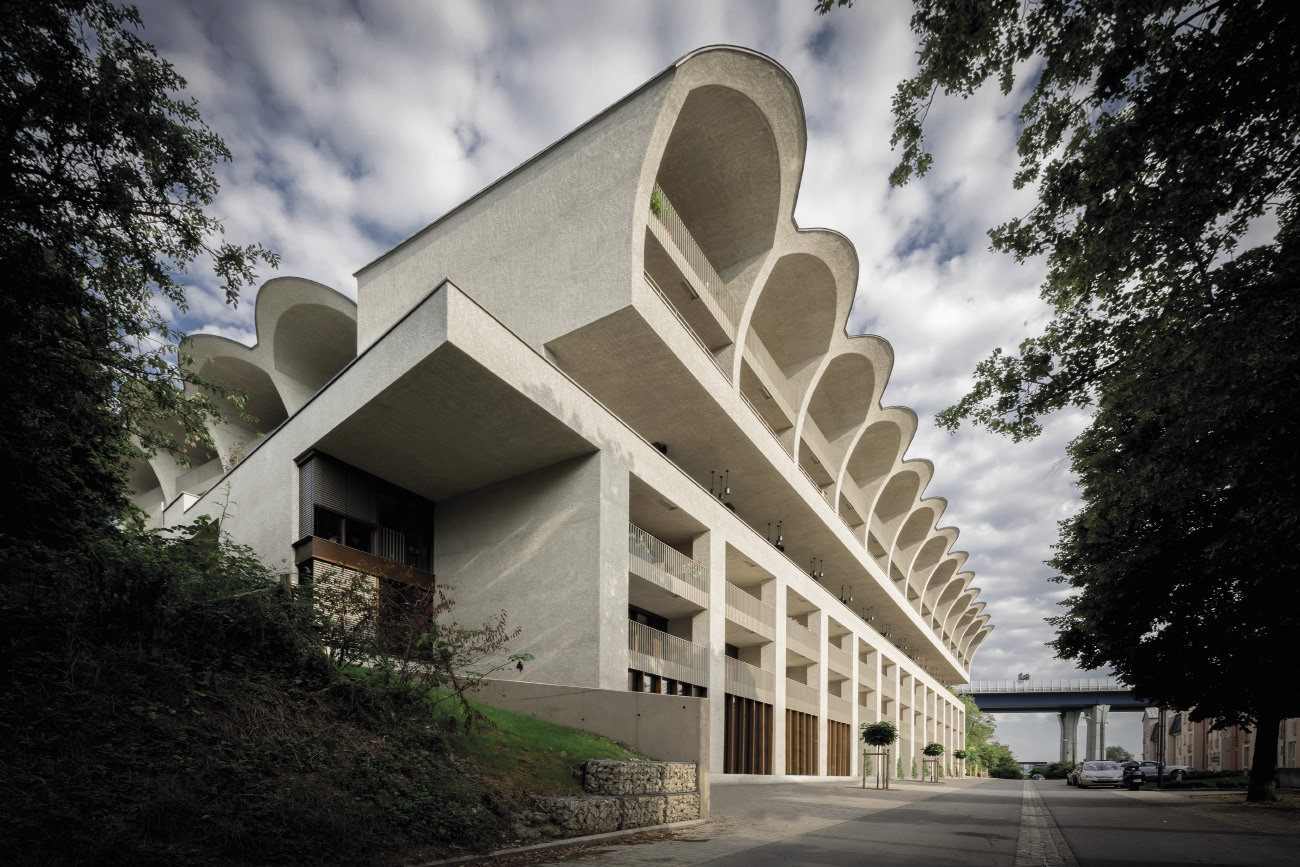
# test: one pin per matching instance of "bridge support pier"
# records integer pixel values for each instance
(1069, 720)
(1096, 743)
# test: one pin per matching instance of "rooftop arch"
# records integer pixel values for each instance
(794, 315)
(721, 171)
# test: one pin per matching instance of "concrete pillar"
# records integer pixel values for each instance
(1095, 746)
(710, 548)
(1069, 720)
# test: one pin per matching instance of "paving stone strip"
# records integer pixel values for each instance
(1040, 843)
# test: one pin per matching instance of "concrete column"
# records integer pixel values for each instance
(1069, 720)
(778, 601)
(818, 678)
(711, 550)
(1095, 749)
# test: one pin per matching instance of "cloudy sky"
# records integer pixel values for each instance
(353, 124)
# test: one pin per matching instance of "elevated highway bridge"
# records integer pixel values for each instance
(1093, 699)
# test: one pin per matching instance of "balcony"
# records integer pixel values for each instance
(656, 652)
(888, 688)
(839, 659)
(839, 709)
(867, 714)
(802, 640)
(801, 697)
(667, 568)
(867, 675)
(668, 228)
(750, 613)
(749, 681)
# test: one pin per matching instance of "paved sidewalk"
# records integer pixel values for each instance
(755, 814)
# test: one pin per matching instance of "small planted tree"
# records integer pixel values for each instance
(914, 774)
(880, 735)
(960, 755)
(933, 750)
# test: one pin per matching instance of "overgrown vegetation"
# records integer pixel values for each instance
(186, 710)
(982, 752)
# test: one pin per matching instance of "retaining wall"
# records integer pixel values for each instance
(623, 795)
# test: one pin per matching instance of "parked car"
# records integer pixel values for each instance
(1171, 772)
(1086, 774)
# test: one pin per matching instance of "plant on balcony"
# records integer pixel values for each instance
(880, 734)
(657, 202)
(642, 542)
(933, 749)
(693, 571)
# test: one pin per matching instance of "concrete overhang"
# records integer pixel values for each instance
(449, 425)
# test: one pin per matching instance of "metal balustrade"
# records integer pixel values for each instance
(650, 281)
(656, 562)
(656, 652)
(804, 639)
(749, 681)
(801, 697)
(1108, 684)
(705, 274)
(750, 612)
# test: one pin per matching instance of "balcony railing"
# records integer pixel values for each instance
(805, 641)
(705, 274)
(840, 709)
(667, 567)
(656, 652)
(801, 697)
(867, 674)
(749, 681)
(839, 659)
(751, 613)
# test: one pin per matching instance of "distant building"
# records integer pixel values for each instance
(1193, 744)
(612, 394)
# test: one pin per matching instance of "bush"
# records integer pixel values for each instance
(1056, 770)
(1237, 780)
(175, 706)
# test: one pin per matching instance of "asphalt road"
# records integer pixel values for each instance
(989, 823)
(1110, 828)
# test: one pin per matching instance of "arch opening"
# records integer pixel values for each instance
(312, 343)
(794, 318)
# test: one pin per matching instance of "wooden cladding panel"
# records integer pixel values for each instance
(748, 744)
(838, 743)
(800, 743)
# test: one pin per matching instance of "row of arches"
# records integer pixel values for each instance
(306, 333)
(734, 145)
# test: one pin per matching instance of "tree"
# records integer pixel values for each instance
(1163, 139)
(1116, 753)
(106, 172)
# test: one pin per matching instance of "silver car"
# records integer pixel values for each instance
(1171, 772)
(1099, 774)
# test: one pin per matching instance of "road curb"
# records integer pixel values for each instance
(568, 842)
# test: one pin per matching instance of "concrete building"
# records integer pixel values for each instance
(1193, 744)
(612, 393)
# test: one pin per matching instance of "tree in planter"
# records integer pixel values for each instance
(1160, 137)
(933, 750)
(880, 735)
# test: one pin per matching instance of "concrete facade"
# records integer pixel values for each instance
(620, 379)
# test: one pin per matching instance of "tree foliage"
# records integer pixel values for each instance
(106, 173)
(879, 734)
(1116, 753)
(1163, 140)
